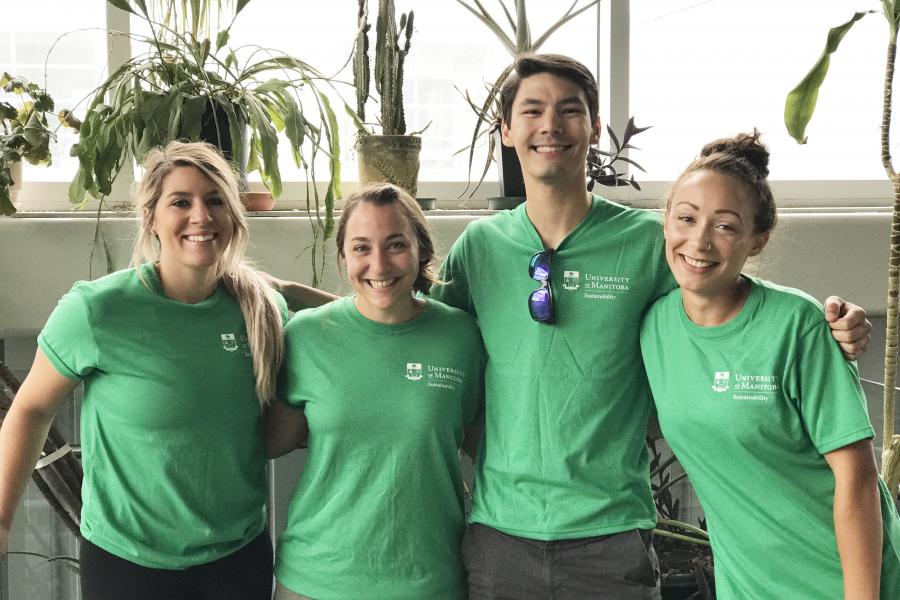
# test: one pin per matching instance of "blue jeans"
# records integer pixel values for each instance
(621, 566)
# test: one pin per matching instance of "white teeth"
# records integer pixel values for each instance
(549, 148)
(381, 283)
(200, 238)
(697, 263)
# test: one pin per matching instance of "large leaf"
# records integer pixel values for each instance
(801, 101)
(191, 116)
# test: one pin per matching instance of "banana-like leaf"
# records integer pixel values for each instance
(801, 101)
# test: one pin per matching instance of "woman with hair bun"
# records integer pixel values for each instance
(756, 400)
(176, 355)
(385, 383)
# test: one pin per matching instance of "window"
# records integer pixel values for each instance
(706, 69)
(693, 69)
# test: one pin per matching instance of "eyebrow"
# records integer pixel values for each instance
(536, 101)
(718, 212)
(362, 238)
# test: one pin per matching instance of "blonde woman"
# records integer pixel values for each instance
(176, 355)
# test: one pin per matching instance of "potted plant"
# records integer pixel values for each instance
(186, 86)
(393, 155)
(25, 133)
(684, 552)
(517, 41)
(798, 110)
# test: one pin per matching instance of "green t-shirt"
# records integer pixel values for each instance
(750, 407)
(378, 511)
(174, 470)
(564, 452)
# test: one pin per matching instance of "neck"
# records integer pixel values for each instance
(556, 210)
(719, 308)
(187, 285)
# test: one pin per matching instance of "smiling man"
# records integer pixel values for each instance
(562, 505)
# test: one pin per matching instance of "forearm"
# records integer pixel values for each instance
(299, 296)
(857, 525)
(21, 441)
(284, 429)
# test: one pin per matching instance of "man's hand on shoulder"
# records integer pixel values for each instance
(849, 326)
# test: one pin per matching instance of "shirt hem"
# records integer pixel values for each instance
(832, 444)
(568, 534)
(187, 562)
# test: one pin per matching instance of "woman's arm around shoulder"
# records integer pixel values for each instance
(857, 518)
(24, 431)
(284, 428)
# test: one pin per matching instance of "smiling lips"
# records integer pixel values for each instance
(697, 263)
(206, 237)
(380, 284)
(547, 149)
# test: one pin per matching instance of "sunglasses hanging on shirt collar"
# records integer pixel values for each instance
(540, 301)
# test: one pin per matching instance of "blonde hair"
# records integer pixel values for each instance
(262, 314)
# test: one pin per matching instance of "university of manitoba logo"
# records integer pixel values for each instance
(721, 381)
(570, 280)
(229, 343)
(414, 371)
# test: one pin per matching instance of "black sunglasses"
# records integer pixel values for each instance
(540, 301)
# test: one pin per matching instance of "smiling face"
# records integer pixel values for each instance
(709, 230)
(551, 130)
(381, 255)
(191, 222)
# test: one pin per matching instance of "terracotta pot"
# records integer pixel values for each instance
(390, 159)
(257, 201)
(15, 170)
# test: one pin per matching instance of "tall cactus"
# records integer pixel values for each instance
(361, 72)
(389, 58)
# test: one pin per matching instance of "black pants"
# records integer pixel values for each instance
(244, 575)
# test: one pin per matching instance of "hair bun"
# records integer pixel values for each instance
(744, 145)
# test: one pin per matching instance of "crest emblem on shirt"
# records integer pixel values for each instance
(570, 280)
(229, 343)
(414, 371)
(721, 381)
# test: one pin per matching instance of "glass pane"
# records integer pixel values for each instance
(70, 69)
(451, 51)
(702, 70)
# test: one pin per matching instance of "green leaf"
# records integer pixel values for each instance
(222, 39)
(801, 101)
(191, 116)
(122, 5)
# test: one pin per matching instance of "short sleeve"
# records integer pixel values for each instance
(455, 292)
(67, 339)
(831, 400)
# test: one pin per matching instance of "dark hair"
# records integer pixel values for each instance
(745, 158)
(530, 64)
(382, 194)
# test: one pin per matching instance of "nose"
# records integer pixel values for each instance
(379, 260)
(552, 122)
(200, 213)
(703, 239)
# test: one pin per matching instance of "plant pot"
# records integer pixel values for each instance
(509, 169)
(504, 202)
(389, 159)
(427, 203)
(215, 129)
(15, 171)
(257, 201)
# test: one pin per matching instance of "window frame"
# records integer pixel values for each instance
(612, 64)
